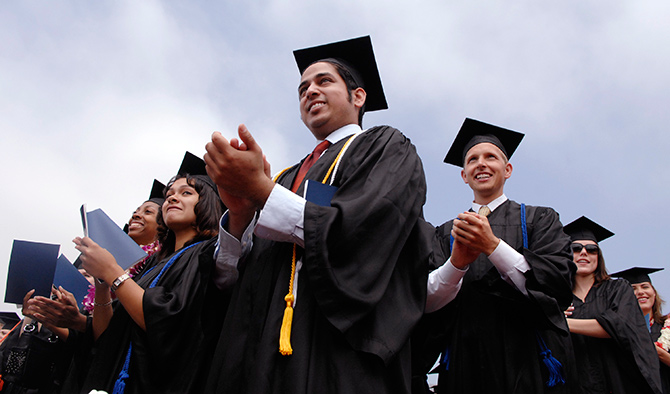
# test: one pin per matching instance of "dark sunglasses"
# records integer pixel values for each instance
(590, 248)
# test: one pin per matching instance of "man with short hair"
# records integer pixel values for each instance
(333, 279)
(495, 307)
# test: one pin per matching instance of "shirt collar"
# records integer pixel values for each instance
(342, 132)
(492, 205)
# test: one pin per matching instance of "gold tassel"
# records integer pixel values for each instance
(285, 333)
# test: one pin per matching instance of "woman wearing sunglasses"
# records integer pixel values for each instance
(610, 337)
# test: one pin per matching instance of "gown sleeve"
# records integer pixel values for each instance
(366, 255)
(179, 312)
(549, 281)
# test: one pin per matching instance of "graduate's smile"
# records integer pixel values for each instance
(587, 263)
(179, 207)
(314, 106)
(646, 296)
(326, 104)
(485, 170)
(134, 224)
(484, 176)
(142, 226)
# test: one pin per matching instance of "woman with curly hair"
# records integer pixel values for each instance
(160, 334)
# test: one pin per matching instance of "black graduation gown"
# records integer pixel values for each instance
(665, 370)
(34, 362)
(361, 288)
(627, 362)
(183, 314)
(491, 328)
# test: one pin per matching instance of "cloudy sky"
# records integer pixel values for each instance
(99, 98)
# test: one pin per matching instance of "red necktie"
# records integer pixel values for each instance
(308, 163)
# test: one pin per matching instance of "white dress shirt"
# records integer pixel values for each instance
(445, 282)
(282, 219)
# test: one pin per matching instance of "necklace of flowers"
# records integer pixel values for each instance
(150, 249)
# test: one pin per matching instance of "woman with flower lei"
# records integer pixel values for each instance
(63, 315)
(143, 229)
(181, 293)
(659, 325)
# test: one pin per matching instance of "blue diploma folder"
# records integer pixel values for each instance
(319, 193)
(68, 276)
(101, 229)
(31, 266)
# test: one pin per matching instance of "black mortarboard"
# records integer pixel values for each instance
(9, 319)
(474, 132)
(156, 195)
(585, 228)
(358, 57)
(77, 263)
(195, 166)
(636, 274)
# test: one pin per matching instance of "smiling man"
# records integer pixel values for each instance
(333, 270)
(495, 305)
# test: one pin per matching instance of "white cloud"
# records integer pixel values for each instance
(100, 98)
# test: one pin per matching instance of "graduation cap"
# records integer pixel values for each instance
(585, 228)
(156, 195)
(9, 319)
(636, 274)
(357, 56)
(474, 132)
(77, 263)
(195, 166)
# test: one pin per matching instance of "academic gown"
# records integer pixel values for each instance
(183, 314)
(34, 362)
(490, 330)
(627, 362)
(665, 370)
(361, 288)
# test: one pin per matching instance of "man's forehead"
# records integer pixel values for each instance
(484, 147)
(318, 68)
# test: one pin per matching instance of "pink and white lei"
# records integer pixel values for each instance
(150, 249)
(664, 340)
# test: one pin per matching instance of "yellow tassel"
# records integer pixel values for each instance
(285, 333)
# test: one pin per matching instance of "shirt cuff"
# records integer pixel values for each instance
(511, 265)
(282, 218)
(444, 284)
(228, 252)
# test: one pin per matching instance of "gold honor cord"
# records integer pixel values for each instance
(285, 334)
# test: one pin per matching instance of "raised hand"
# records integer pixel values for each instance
(97, 260)
(474, 231)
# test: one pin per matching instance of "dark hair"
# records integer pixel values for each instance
(208, 211)
(600, 274)
(350, 82)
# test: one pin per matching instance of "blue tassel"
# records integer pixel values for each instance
(446, 359)
(553, 365)
(120, 384)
